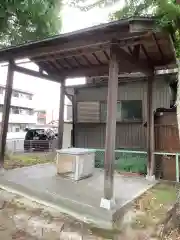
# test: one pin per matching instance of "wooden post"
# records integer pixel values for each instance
(74, 118)
(6, 111)
(150, 127)
(61, 116)
(111, 126)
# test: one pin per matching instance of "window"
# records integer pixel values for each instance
(41, 121)
(127, 110)
(15, 94)
(17, 129)
(22, 126)
(119, 112)
(29, 97)
(103, 111)
(22, 111)
(1, 108)
(1, 90)
(30, 112)
(131, 110)
(15, 110)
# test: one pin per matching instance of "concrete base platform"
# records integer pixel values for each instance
(80, 199)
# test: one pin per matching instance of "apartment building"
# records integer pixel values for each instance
(22, 109)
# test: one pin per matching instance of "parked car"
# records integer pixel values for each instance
(38, 139)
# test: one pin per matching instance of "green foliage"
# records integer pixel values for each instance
(134, 8)
(86, 5)
(167, 13)
(27, 20)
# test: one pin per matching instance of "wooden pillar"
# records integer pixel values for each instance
(61, 116)
(6, 111)
(150, 127)
(111, 126)
(74, 118)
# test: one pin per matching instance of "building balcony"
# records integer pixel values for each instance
(18, 118)
(19, 102)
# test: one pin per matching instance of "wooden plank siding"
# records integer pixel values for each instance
(128, 134)
(88, 112)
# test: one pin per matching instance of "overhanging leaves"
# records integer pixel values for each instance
(26, 20)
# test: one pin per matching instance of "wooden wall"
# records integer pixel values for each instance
(128, 135)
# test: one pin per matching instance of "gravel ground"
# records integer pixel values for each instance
(25, 220)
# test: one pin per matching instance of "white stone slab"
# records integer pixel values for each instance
(75, 151)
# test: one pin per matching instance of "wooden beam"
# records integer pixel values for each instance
(139, 64)
(54, 65)
(96, 70)
(130, 50)
(68, 95)
(41, 70)
(136, 26)
(87, 60)
(61, 44)
(77, 61)
(61, 116)
(136, 51)
(40, 75)
(6, 111)
(74, 119)
(97, 59)
(71, 53)
(104, 82)
(111, 125)
(93, 70)
(89, 50)
(149, 60)
(76, 72)
(70, 90)
(33, 73)
(158, 46)
(67, 62)
(150, 127)
(106, 55)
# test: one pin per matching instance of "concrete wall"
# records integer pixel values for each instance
(67, 135)
(128, 135)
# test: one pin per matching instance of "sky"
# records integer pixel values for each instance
(46, 93)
